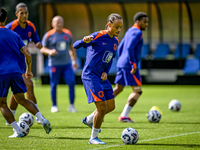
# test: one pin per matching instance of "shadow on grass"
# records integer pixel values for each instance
(6, 127)
(181, 145)
(134, 112)
(69, 138)
(180, 122)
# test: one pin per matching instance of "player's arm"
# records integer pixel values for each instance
(131, 44)
(36, 38)
(86, 41)
(47, 51)
(72, 53)
(28, 58)
(38, 45)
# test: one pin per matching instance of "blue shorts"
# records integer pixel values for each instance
(15, 81)
(98, 91)
(124, 77)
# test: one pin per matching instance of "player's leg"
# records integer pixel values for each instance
(5, 83)
(54, 73)
(118, 89)
(95, 94)
(119, 82)
(69, 78)
(7, 114)
(30, 89)
(30, 106)
(135, 82)
(97, 122)
(13, 104)
(30, 95)
(18, 88)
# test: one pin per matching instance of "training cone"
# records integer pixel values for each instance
(156, 108)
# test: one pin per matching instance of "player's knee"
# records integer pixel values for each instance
(103, 110)
(29, 84)
(140, 92)
(112, 107)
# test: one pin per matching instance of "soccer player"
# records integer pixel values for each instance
(101, 48)
(11, 76)
(62, 57)
(129, 52)
(27, 31)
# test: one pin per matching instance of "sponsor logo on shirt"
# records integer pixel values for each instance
(107, 56)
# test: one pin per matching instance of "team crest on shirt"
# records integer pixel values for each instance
(65, 37)
(107, 56)
(115, 47)
(29, 34)
(100, 93)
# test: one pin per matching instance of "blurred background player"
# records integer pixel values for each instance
(11, 76)
(101, 48)
(61, 58)
(129, 53)
(27, 31)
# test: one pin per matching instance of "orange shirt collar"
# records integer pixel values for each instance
(136, 26)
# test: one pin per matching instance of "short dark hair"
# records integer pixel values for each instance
(112, 17)
(20, 5)
(3, 14)
(139, 15)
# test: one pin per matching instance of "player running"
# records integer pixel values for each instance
(27, 31)
(129, 52)
(10, 76)
(101, 48)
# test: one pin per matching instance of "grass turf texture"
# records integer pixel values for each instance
(176, 130)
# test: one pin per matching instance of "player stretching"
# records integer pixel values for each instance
(27, 31)
(129, 52)
(101, 48)
(10, 76)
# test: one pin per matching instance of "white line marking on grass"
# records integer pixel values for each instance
(146, 140)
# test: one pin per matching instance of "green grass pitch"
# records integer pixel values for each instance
(176, 130)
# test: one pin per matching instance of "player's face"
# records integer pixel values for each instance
(22, 14)
(143, 23)
(115, 27)
(58, 23)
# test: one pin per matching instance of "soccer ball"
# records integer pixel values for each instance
(129, 136)
(24, 127)
(154, 116)
(28, 118)
(174, 105)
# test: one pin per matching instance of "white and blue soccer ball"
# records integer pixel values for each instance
(28, 118)
(24, 127)
(129, 136)
(174, 105)
(154, 116)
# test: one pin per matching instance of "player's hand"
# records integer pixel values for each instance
(133, 71)
(38, 45)
(53, 52)
(75, 66)
(87, 39)
(103, 76)
(28, 75)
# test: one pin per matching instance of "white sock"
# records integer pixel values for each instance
(16, 127)
(90, 118)
(13, 112)
(71, 105)
(95, 133)
(40, 117)
(126, 110)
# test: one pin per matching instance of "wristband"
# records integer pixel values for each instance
(73, 62)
